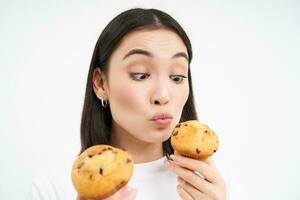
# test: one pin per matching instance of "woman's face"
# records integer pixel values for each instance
(145, 79)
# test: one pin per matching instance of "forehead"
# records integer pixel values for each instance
(161, 42)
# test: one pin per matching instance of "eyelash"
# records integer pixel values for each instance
(133, 75)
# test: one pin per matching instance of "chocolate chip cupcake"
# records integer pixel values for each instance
(195, 140)
(101, 170)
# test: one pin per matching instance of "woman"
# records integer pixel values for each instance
(140, 72)
(139, 87)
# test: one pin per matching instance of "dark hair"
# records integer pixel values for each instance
(96, 121)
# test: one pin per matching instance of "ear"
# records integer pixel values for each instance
(100, 84)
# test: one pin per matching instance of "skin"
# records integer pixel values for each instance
(135, 99)
(209, 186)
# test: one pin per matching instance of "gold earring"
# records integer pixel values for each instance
(103, 103)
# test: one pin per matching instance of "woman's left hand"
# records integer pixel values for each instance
(192, 186)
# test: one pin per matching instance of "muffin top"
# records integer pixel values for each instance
(101, 166)
(195, 140)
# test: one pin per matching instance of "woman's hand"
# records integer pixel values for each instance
(125, 193)
(197, 179)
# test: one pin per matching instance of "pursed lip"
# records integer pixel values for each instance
(161, 116)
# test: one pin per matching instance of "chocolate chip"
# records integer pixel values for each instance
(185, 125)
(107, 149)
(91, 155)
(215, 150)
(128, 160)
(91, 176)
(101, 171)
(205, 131)
(100, 153)
(178, 125)
(175, 133)
(123, 182)
(197, 150)
(80, 165)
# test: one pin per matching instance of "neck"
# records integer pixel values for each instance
(140, 151)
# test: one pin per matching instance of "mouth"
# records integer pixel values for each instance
(162, 123)
(162, 120)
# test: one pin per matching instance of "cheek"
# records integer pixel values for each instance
(126, 99)
(126, 96)
(128, 108)
(181, 95)
(180, 98)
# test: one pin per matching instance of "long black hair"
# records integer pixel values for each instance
(96, 121)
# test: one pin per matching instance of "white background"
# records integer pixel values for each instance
(245, 71)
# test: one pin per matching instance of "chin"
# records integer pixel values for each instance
(160, 136)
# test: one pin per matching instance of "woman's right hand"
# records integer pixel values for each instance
(125, 193)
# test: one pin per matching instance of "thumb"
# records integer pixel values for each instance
(128, 193)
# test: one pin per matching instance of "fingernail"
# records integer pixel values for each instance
(175, 158)
(127, 191)
(168, 156)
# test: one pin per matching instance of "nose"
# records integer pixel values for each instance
(160, 94)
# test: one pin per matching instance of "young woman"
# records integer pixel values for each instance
(139, 87)
(140, 71)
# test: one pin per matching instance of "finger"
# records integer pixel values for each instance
(132, 195)
(210, 161)
(128, 193)
(82, 198)
(190, 177)
(210, 173)
(79, 198)
(125, 193)
(191, 190)
(183, 194)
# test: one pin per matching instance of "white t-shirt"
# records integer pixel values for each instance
(153, 180)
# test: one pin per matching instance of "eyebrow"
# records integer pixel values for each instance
(147, 53)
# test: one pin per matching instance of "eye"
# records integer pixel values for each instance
(177, 78)
(139, 76)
